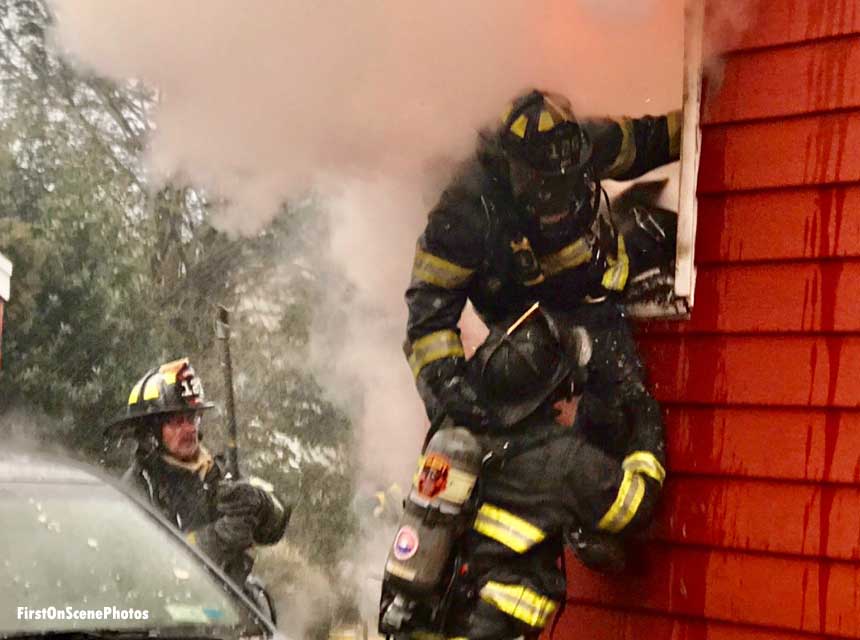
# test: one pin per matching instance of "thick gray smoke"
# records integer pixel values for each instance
(365, 102)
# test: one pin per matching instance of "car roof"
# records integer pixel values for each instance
(24, 466)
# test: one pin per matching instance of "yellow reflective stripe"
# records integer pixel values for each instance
(435, 346)
(518, 128)
(674, 122)
(615, 277)
(506, 528)
(646, 463)
(439, 272)
(150, 389)
(134, 396)
(191, 538)
(545, 123)
(519, 602)
(626, 153)
(626, 503)
(571, 256)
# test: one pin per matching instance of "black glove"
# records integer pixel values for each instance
(225, 537)
(241, 499)
(446, 391)
(235, 532)
(459, 401)
(597, 550)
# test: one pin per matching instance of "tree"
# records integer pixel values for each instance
(114, 275)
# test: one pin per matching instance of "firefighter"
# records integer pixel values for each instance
(224, 516)
(538, 479)
(521, 223)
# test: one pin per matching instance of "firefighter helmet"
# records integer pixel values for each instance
(170, 388)
(518, 369)
(539, 130)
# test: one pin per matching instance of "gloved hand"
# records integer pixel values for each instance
(234, 532)
(223, 538)
(459, 401)
(597, 550)
(241, 499)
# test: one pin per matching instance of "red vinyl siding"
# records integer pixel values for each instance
(803, 222)
(777, 22)
(758, 535)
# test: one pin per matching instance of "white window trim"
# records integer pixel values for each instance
(691, 138)
(5, 277)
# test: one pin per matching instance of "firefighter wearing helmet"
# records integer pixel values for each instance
(538, 480)
(225, 517)
(521, 223)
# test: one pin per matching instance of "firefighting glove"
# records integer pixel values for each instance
(225, 537)
(459, 401)
(597, 550)
(241, 499)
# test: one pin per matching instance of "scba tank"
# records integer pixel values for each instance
(433, 517)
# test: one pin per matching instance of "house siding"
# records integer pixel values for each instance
(758, 535)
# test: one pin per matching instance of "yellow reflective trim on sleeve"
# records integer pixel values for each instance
(506, 528)
(150, 389)
(545, 123)
(507, 113)
(646, 463)
(626, 153)
(519, 602)
(674, 122)
(615, 277)
(435, 346)
(626, 503)
(134, 396)
(573, 255)
(518, 128)
(438, 271)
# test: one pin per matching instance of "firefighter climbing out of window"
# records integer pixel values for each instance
(537, 478)
(521, 223)
(223, 515)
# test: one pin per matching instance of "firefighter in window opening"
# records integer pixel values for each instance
(223, 516)
(521, 222)
(537, 479)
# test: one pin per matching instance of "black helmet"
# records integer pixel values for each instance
(519, 368)
(539, 130)
(547, 163)
(170, 388)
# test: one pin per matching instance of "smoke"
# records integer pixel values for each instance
(368, 103)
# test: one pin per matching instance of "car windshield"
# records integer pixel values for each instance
(83, 556)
